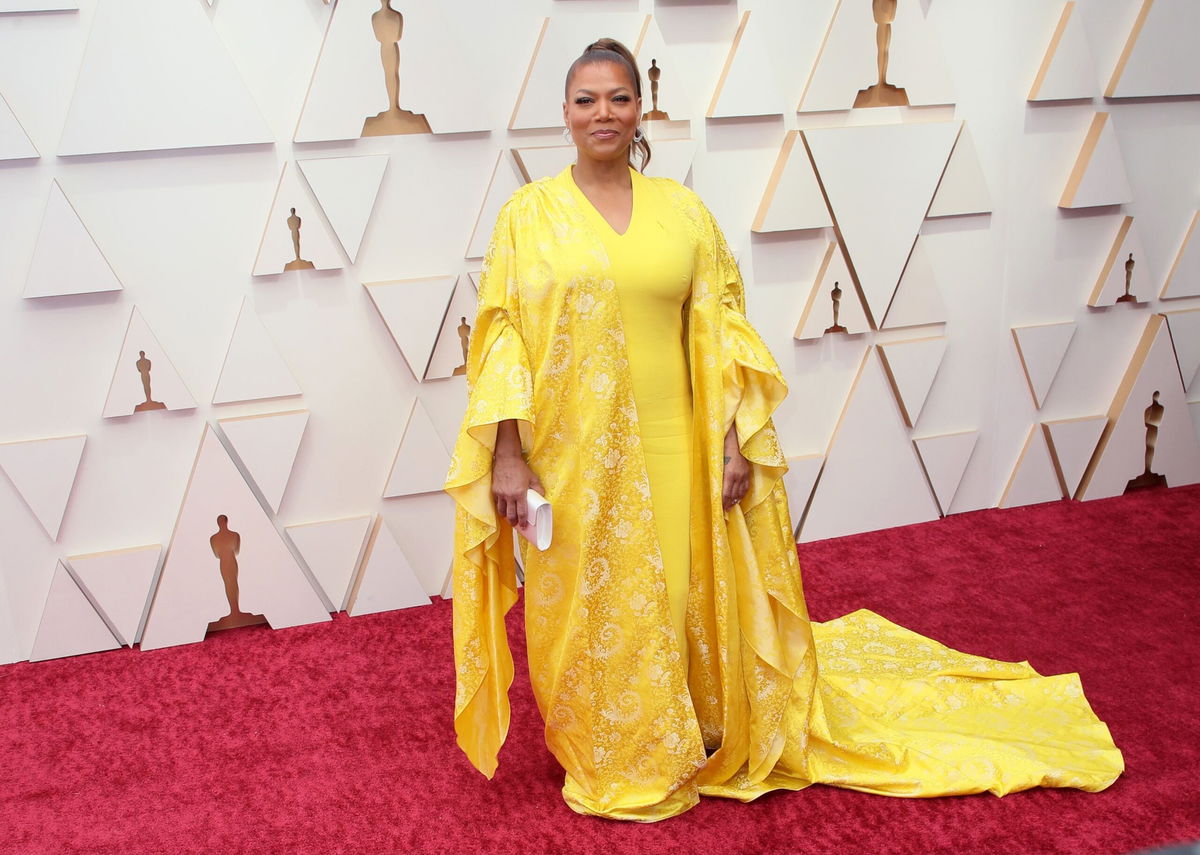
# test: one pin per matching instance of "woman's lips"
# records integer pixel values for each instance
(604, 135)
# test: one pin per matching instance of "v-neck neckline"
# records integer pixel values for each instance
(633, 203)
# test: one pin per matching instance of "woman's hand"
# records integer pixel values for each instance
(511, 475)
(737, 471)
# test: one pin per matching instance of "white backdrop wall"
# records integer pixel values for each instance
(181, 226)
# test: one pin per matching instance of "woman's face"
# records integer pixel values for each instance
(602, 110)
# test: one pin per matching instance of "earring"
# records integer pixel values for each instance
(567, 135)
(638, 136)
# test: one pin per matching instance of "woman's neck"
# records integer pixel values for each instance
(602, 173)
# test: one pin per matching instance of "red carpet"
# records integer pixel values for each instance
(337, 739)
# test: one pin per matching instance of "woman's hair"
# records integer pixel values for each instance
(611, 50)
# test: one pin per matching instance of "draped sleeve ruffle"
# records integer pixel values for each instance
(499, 387)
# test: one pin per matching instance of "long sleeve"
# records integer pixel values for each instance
(500, 387)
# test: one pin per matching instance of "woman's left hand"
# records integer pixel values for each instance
(737, 472)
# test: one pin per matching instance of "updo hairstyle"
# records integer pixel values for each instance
(611, 50)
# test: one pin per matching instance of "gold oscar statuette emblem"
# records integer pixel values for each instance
(1149, 478)
(655, 74)
(1128, 297)
(388, 25)
(464, 337)
(836, 296)
(143, 367)
(296, 263)
(226, 545)
(881, 93)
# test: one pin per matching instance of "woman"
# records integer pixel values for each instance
(612, 369)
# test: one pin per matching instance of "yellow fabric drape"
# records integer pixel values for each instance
(888, 711)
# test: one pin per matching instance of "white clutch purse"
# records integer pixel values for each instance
(540, 527)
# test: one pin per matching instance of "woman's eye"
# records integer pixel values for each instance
(582, 100)
(621, 98)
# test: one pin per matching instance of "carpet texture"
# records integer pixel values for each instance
(337, 738)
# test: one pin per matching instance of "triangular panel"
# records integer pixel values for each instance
(386, 580)
(1098, 177)
(1119, 462)
(872, 478)
(879, 180)
(424, 527)
(295, 235)
(332, 549)
(1072, 442)
(144, 378)
(1160, 54)
(506, 179)
(267, 444)
(70, 625)
(918, 300)
(66, 259)
(748, 85)
(1184, 326)
(449, 357)
(560, 41)
(944, 458)
(14, 142)
(793, 198)
(413, 310)
(672, 159)
(254, 368)
(818, 319)
(43, 472)
(846, 71)
(224, 542)
(1041, 348)
(1033, 479)
(911, 367)
(655, 58)
(799, 481)
(963, 189)
(1184, 277)
(118, 582)
(157, 76)
(1067, 71)
(346, 188)
(422, 459)
(1123, 277)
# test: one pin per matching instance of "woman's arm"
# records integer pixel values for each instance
(511, 475)
(736, 480)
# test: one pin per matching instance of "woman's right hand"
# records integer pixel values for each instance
(511, 479)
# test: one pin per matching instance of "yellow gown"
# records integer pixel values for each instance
(667, 668)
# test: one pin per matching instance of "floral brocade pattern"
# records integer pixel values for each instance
(888, 711)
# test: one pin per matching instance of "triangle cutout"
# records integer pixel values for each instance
(799, 481)
(1098, 177)
(1184, 278)
(449, 353)
(1120, 274)
(911, 367)
(872, 478)
(181, 91)
(879, 180)
(70, 625)
(332, 549)
(1033, 479)
(14, 142)
(254, 368)
(413, 311)
(918, 300)
(118, 582)
(963, 189)
(944, 458)
(141, 386)
(748, 85)
(295, 236)
(1121, 453)
(1160, 55)
(818, 319)
(1072, 442)
(793, 198)
(43, 471)
(1067, 71)
(66, 259)
(1041, 348)
(223, 532)
(267, 445)
(506, 180)
(422, 459)
(346, 188)
(1184, 326)
(386, 580)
